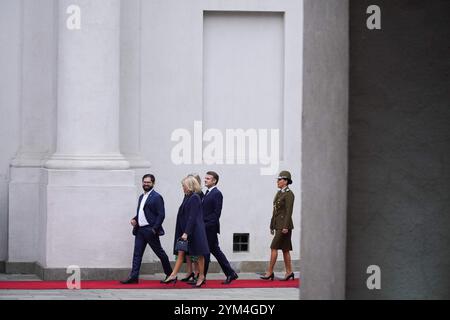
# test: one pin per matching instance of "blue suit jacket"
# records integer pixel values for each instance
(212, 209)
(154, 212)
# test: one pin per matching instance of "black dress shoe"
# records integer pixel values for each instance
(230, 278)
(130, 281)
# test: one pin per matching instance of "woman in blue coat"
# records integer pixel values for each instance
(191, 227)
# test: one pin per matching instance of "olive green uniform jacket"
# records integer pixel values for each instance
(283, 205)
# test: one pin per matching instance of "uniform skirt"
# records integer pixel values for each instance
(282, 241)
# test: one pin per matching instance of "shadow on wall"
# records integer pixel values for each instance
(399, 158)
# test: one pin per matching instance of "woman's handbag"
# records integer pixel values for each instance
(181, 245)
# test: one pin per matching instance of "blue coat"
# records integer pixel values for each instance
(212, 208)
(190, 221)
(153, 210)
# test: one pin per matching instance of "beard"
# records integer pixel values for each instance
(147, 188)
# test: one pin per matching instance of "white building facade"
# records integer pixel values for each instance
(101, 103)
(97, 93)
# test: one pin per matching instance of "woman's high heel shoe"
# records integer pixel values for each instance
(168, 280)
(271, 276)
(200, 285)
(288, 277)
(191, 276)
(194, 279)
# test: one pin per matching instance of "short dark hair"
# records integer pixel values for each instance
(214, 174)
(152, 177)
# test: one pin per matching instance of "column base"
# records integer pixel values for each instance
(87, 214)
(24, 213)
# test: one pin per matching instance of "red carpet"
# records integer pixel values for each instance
(145, 284)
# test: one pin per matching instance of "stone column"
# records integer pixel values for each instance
(88, 88)
(324, 149)
(88, 194)
(130, 90)
(37, 100)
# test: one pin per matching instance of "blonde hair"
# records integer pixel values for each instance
(191, 184)
(197, 177)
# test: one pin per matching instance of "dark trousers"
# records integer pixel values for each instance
(143, 237)
(214, 249)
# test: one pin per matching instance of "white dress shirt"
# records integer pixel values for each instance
(141, 217)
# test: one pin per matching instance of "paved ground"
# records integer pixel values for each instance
(152, 294)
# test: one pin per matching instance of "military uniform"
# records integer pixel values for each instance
(283, 205)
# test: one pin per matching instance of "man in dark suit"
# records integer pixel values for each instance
(147, 228)
(212, 208)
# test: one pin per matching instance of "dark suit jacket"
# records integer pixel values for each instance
(212, 209)
(190, 221)
(154, 212)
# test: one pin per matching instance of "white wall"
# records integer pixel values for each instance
(230, 70)
(174, 82)
(10, 30)
(36, 131)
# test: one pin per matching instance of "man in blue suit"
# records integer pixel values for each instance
(147, 228)
(212, 208)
